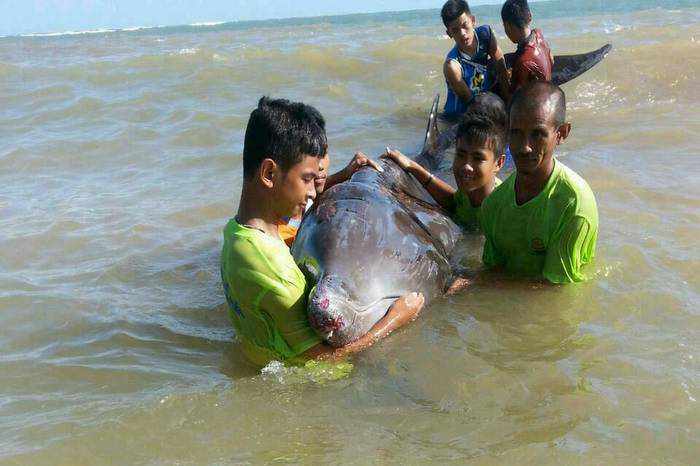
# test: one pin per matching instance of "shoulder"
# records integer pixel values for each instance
(575, 189)
(539, 35)
(453, 54)
(502, 191)
(499, 198)
(484, 31)
(248, 249)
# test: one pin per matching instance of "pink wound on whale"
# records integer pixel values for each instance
(324, 303)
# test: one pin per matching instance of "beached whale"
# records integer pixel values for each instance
(370, 240)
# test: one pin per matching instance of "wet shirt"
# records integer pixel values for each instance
(474, 71)
(266, 294)
(551, 236)
(533, 61)
(464, 214)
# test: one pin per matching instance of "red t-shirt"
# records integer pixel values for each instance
(533, 61)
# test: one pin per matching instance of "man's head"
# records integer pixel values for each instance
(516, 17)
(480, 150)
(284, 142)
(537, 124)
(459, 22)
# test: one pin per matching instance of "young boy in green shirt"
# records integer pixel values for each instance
(478, 159)
(542, 221)
(265, 290)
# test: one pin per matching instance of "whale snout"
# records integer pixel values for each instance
(329, 312)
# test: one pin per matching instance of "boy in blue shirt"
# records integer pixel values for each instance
(466, 65)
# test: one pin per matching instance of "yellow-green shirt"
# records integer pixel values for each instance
(266, 294)
(464, 214)
(550, 236)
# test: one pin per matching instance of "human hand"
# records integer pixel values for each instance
(358, 161)
(404, 162)
(405, 309)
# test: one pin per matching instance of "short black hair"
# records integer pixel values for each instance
(491, 106)
(478, 129)
(537, 93)
(283, 131)
(517, 13)
(453, 9)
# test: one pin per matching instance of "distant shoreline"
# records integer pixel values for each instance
(241, 22)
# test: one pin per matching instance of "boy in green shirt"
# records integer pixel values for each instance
(265, 290)
(479, 157)
(542, 222)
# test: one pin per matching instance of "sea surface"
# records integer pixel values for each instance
(120, 163)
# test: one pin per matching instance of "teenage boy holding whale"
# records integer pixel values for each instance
(265, 290)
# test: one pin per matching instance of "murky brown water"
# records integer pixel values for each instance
(121, 161)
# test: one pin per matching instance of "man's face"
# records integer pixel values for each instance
(475, 165)
(320, 181)
(461, 30)
(533, 136)
(296, 186)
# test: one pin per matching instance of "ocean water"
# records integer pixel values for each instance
(120, 163)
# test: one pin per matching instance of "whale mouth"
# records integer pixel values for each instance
(340, 321)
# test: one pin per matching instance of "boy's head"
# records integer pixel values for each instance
(320, 181)
(480, 150)
(490, 105)
(516, 16)
(459, 22)
(537, 124)
(284, 142)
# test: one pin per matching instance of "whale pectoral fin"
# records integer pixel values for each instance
(432, 134)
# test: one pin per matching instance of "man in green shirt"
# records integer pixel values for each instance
(542, 221)
(265, 290)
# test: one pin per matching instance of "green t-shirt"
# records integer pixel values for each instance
(551, 236)
(464, 214)
(266, 294)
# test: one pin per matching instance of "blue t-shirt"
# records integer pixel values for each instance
(474, 71)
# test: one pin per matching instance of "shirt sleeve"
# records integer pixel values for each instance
(570, 251)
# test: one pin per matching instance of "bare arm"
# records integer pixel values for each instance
(501, 70)
(453, 76)
(442, 192)
(357, 162)
(403, 311)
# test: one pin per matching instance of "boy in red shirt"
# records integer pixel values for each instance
(533, 59)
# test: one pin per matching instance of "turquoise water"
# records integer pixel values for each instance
(121, 162)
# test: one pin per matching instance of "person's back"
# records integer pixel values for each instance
(533, 57)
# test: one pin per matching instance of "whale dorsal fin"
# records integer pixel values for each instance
(432, 133)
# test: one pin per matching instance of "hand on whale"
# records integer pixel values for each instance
(404, 310)
(367, 242)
